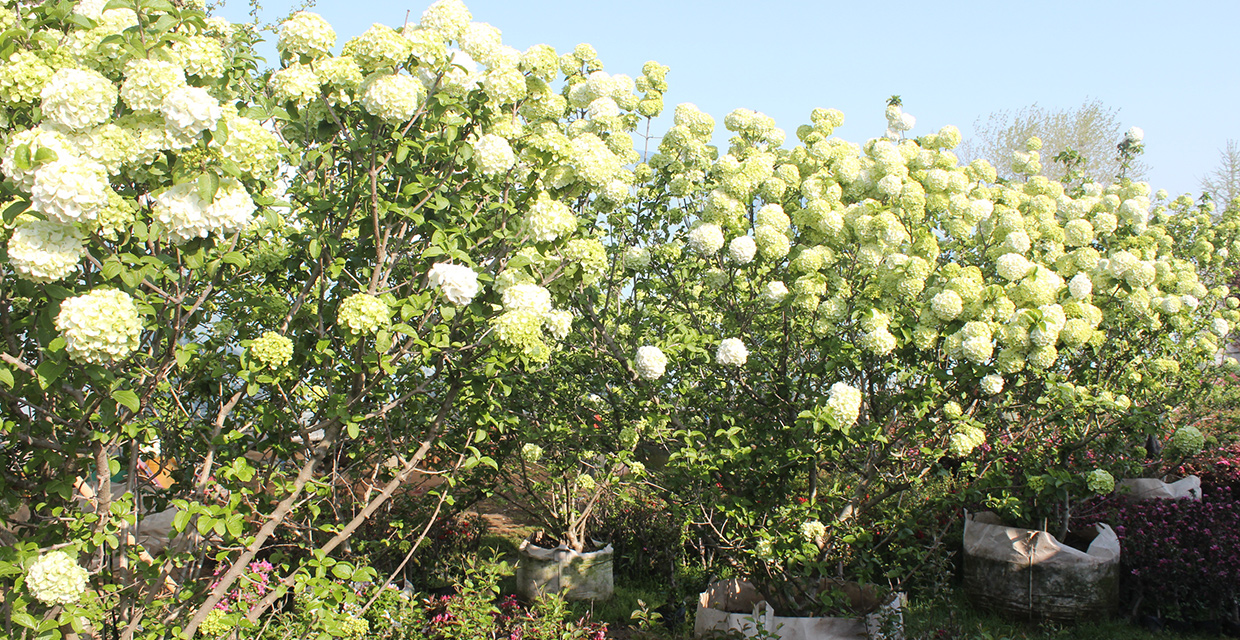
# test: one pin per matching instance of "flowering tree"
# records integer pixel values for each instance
(270, 285)
(843, 320)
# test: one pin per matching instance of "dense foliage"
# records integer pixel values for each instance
(244, 308)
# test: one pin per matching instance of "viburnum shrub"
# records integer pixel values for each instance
(1181, 557)
(464, 249)
(877, 312)
(287, 289)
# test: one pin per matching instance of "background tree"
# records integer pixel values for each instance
(1223, 183)
(1091, 130)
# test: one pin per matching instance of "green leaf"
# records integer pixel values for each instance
(12, 211)
(342, 571)
(49, 370)
(25, 619)
(6, 377)
(45, 155)
(180, 520)
(353, 429)
(127, 398)
(208, 186)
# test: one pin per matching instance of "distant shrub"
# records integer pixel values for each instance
(647, 534)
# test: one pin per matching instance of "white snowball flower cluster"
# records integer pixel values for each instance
(651, 363)
(43, 251)
(78, 98)
(148, 82)
(774, 292)
(731, 352)
(69, 190)
(706, 239)
(297, 83)
(255, 149)
(493, 155)
(55, 578)
(844, 404)
(527, 297)
(188, 111)
(549, 219)
(99, 327)
(964, 440)
(448, 17)
(307, 34)
(379, 48)
(531, 453)
(946, 305)
(1135, 135)
(186, 216)
(742, 249)
(558, 323)
(813, 531)
(199, 56)
(458, 282)
(272, 349)
(1100, 481)
(992, 384)
(362, 314)
(393, 97)
(1013, 266)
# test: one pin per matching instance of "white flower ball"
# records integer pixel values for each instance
(549, 219)
(297, 83)
(992, 384)
(946, 305)
(55, 578)
(188, 111)
(812, 531)
(706, 239)
(449, 17)
(1220, 326)
(1081, 286)
(44, 251)
(186, 216)
(531, 453)
(774, 292)
(148, 82)
(307, 34)
(527, 297)
(458, 282)
(1135, 135)
(361, 314)
(78, 98)
(650, 363)
(558, 323)
(493, 155)
(394, 98)
(99, 327)
(844, 404)
(731, 352)
(70, 190)
(35, 140)
(742, 249)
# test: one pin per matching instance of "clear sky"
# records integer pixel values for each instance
(1171, 68)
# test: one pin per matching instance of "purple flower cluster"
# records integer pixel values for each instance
(1182, 557)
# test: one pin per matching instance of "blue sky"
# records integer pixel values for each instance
(1169, 68)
